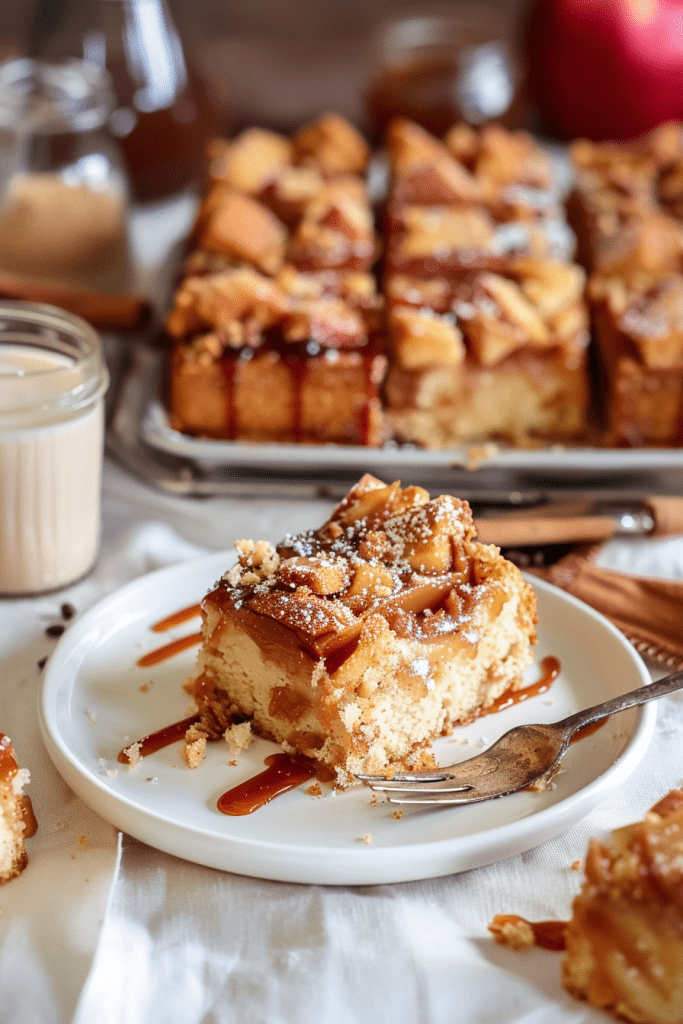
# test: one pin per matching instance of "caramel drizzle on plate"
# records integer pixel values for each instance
(177, 618)
(176, 646)
(282, 774)
(169, 650)
(158, 740)
(550, 670)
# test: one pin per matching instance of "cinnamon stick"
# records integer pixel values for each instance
(104, 311)
(649, 611)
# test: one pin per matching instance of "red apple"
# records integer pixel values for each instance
(606, 69)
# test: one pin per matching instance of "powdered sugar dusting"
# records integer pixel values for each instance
(385, 550)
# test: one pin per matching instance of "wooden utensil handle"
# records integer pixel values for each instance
(510, 532)
(667, 513)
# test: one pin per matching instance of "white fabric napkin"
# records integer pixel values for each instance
(187, 944)
(92, 933)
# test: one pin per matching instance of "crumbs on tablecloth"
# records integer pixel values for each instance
(315, 789)
(511, 930)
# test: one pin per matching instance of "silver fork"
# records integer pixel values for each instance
(521, 757)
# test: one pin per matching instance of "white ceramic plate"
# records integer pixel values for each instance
(95, 700)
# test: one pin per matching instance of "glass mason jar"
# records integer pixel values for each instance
(443, 66)
(63, 189)
(52, 384)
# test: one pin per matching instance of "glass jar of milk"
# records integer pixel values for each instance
(52, 384)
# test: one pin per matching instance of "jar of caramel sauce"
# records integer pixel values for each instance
(164, 112)
(447, 66)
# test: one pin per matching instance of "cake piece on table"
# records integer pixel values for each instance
(275, 394)
(358, 643)
(16, 817)
(297, 358)
(276, 322)
(625, 938)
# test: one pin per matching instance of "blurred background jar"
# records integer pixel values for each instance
(63, 189)
(164, 112)
(446, 65)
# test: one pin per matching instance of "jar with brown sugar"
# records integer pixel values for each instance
(63, 188)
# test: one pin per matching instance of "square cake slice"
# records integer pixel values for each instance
(494, 356)
(359, 643)
(625, 939)
(16, 816)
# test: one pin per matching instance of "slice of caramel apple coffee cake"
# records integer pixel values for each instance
(358, 643)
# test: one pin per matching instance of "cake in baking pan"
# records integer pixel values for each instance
(277, 319)
(626, 207)
(486, 318)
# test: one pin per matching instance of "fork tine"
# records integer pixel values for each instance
(440, 797)
(438, 775)
(447, 785)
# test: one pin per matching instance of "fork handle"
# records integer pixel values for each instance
(642, 695)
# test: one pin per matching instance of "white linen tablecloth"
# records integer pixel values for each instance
(101, 928)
